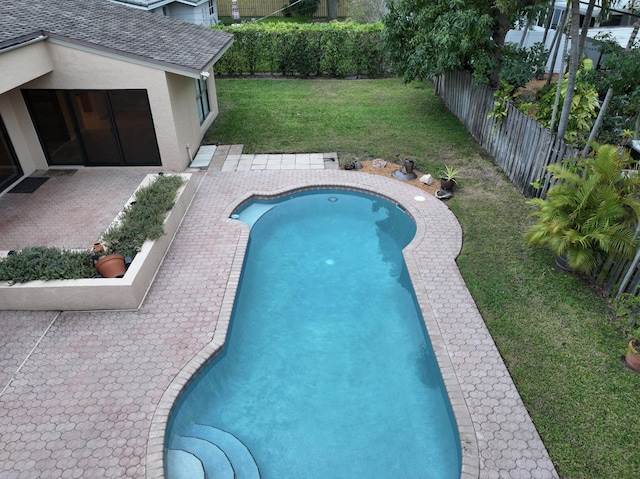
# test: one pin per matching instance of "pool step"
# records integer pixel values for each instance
(215, 462)
(254, 212)
(184, 465)
(238, 453)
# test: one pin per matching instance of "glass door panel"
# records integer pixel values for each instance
(55, 127)
(96, 129)
(134, 125)
(10, 169)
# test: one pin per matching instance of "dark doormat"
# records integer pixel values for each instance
(29, 185)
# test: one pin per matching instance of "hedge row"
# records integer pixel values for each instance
(336, 49)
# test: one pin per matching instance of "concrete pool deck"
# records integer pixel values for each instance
(86, 394)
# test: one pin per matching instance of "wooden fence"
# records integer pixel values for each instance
(522, 148)
(262, 8)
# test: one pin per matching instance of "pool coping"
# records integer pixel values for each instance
(462, 414)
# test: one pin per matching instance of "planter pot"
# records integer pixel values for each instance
(408, 166)
(98, 248)
(633, 357)
(447, 184)
(561, 263)
(111, 266)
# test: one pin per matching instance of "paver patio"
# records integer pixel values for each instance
(81, 393)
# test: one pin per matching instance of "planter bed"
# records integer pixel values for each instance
(127, 292)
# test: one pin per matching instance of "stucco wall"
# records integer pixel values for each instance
(171, 98)
(23, 64)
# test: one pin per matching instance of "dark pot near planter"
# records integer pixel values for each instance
(447, 185)
(562, 263)
(633, 357)
(111, 266)
(408, 166)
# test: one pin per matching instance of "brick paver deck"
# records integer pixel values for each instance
(83, 394)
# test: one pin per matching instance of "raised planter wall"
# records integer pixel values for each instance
(104, 293)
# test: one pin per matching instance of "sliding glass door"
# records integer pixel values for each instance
(94, 127)
(10, 169)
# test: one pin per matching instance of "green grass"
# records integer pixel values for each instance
(555, 331)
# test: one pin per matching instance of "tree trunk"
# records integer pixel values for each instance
(574, 65)
(500, 30)
(585, 25)
(556, 102)
(332, 9)
(547, 23)
(525, 30)
(557, 39)
(634, 34)
(596, 126)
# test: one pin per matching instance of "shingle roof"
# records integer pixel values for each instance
(115, 29)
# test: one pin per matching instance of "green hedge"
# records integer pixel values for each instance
(336, 49)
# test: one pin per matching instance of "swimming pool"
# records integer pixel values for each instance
(327, 370)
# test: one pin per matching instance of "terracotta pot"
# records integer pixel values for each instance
(111, 266)
(633, 357)
(98, 248)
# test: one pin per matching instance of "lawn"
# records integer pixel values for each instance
(555, 331)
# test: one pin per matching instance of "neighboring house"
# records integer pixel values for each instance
(93, 83)
(200, 12)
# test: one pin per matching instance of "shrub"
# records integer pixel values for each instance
(591, 211)
(141, 220)
(45, 263)
(337, 49)
(144, 218)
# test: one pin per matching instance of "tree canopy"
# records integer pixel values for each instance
(426, 38)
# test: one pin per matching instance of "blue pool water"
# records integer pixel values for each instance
(327, 371)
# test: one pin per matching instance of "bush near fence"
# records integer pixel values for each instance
(522, 148)
(335, 49)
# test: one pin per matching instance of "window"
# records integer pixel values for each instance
(212, 9)
(202, 99)
(10, 169)
(94, 127)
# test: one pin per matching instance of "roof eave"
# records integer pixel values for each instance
(183, 70)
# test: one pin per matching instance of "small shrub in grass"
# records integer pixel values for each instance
(46, 263)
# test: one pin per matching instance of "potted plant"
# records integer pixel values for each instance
(107, 265)
(627, 307)
(448, 178)
(591, 212)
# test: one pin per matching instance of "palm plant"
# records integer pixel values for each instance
(592, 210)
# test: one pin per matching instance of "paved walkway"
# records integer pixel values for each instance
(86, 394)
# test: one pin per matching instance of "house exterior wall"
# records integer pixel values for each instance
(24, 64)
(171, 99)
(198, 14)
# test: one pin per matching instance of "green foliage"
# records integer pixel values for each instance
(305, 8)
(46, 263)
(584, 108)
(619, 70)
(591, 211)
(627, 308)
(427, 38)
(143, 219)
(337, 49)
(501, 98)
(521, 65)
(449, 173)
